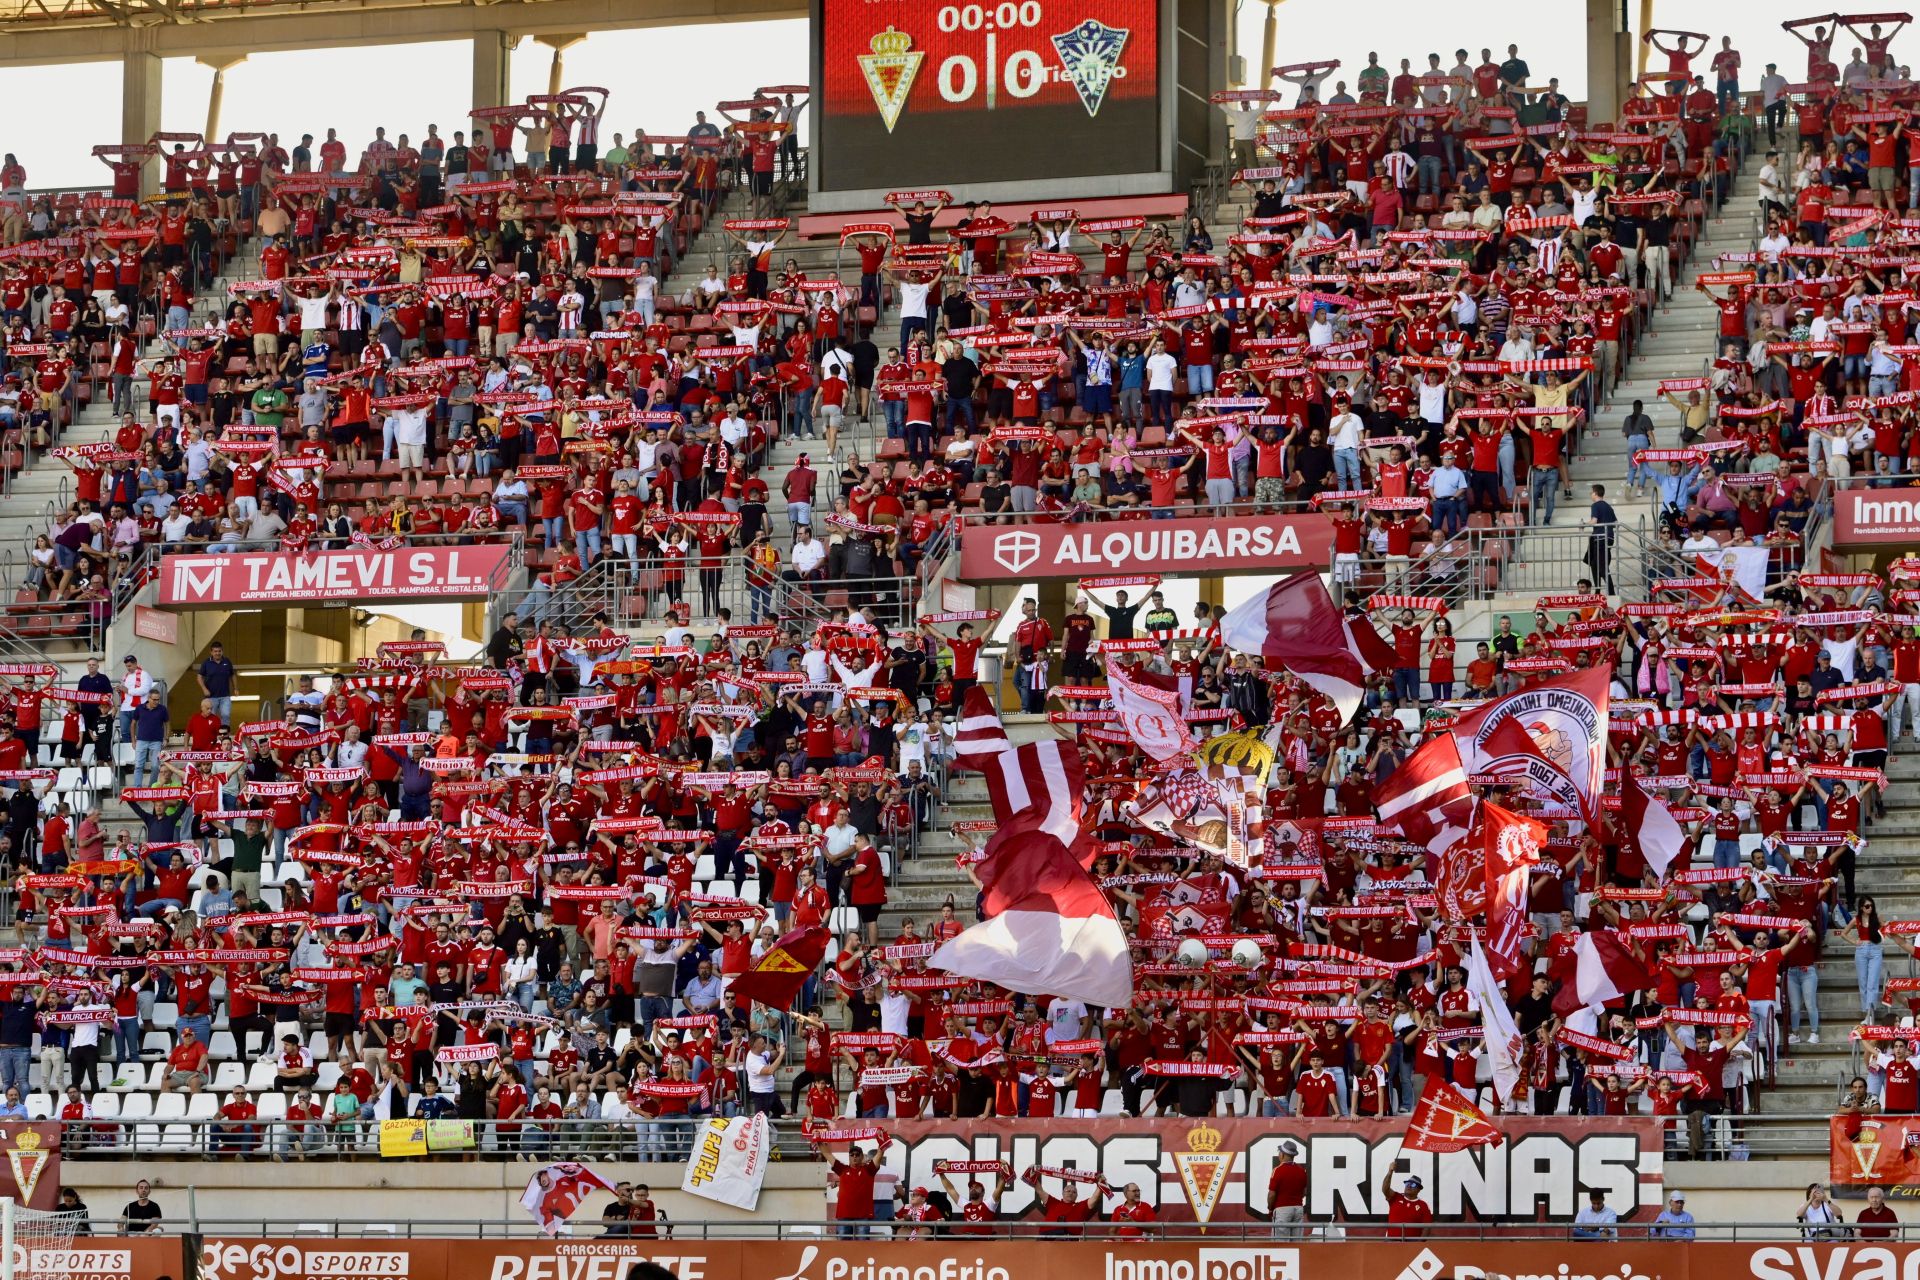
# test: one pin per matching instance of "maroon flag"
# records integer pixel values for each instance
(1510, 844)
(1445, 1121)
(1295, 624)
(777, 977)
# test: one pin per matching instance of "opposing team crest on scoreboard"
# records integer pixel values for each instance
(890, 70)
(1090, 56)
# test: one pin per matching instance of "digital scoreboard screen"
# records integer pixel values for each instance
(914, 94)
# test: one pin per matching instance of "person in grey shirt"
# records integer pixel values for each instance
(704, 990)
(313, 405)
(1773, 97)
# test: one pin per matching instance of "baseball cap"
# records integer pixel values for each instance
(1415, 1183)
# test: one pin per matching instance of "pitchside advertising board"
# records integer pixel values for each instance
(289, 577)
(959, 1258)
(1876, 518)
(1240, 544)
(917, 93)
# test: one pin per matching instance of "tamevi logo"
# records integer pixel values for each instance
(1208, 1264)
(193, 581)
(1016, 551)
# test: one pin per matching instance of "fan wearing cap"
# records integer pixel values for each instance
(1674, 1222)
(919, 1210)
(1405, 1207)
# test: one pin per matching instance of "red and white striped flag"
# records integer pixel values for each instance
(1049, 930)
(1428, 798)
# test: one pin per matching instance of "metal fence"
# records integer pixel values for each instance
(1316, 1229)
(667, 1139)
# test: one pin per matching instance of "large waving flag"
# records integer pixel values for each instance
(1049, 930)
(1650, 826)
(780, 974)
(1566, 716)
(1150, 716)
(1295, 624)
(1510, 845)
(1514, 756)
(1428, 797)
(1605, 968)
(1505, 1045)
(1444, 1121)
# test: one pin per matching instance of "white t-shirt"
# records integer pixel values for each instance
(761, 1078)
(409, 426)
(1161, 368)
(913, 299)
(313, 312)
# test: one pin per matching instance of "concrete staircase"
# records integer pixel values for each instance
(1680, 343)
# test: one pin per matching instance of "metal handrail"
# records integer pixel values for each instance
(1318, 1227)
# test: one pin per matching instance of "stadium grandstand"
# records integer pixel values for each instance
(1325, 682)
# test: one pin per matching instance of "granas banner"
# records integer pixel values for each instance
(958, 1257)
(1240, 544)
(273, 577)
(1219, 1170)
(915, 92)
(1874, 1151)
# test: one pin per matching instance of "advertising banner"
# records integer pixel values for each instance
(916, 94)
(1240, 544)
(1219, 1170)
(1876, 517)
(959, 1257)
(273, 577)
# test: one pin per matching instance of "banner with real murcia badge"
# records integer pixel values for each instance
(31, 1172)
(1219, 1170)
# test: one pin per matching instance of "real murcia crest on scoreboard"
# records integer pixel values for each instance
(890, 70)
(1090, 56)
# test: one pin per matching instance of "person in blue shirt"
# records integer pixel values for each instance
(216, 681)
(432, 1105)
(1674, 1222)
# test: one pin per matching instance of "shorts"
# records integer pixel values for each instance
(339, 1026)
(1880, 178)
(412, 455)
(266, 344)
(762, 184)
(869, 911)
(346, 433)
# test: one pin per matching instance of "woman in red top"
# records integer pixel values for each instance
(1440, 660)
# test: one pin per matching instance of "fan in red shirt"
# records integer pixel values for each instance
(1405, 1207)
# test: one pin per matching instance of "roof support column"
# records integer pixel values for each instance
(140, 80)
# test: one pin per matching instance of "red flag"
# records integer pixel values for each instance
(1510, 845)
(1444, 1121)
(1428, 797)
(777, 977)
(1295, 624)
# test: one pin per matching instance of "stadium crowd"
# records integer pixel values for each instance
(520, 889)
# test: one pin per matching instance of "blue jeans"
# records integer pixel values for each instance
(1346, 468)
(1546, 494)
(1406, 685)
(14, 1064)
(1451, 513)
(1430, 174)
(146, 763)
(1638, 473)
(1200, 379)
(126, 1040)
(895, 412)
(1726, 855)
(1869, 968)
(1803, 997)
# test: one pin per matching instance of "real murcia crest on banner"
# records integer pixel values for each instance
(890, 70)
(28, 1161)
(1204, 1169)
(1090, 56)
